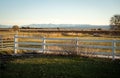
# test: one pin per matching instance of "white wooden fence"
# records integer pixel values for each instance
(77, 45)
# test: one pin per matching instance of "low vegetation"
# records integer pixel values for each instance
(51, 66)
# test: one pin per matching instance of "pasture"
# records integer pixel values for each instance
(57, 66)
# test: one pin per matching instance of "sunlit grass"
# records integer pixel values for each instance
(51, 35)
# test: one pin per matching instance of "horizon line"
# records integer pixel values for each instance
(52, 23)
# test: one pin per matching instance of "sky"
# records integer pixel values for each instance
(23, 12)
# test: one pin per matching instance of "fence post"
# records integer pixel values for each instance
(113, 49)
(43, 45)
(15, 44)
(77, 45)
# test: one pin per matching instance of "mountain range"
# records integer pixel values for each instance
(81, 26)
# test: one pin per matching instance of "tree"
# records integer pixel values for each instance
(115, 22)
(15, 28)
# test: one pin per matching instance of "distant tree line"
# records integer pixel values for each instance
(98, 29)
(29, 28)
(25, 27)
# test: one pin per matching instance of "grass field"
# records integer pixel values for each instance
(50, 66)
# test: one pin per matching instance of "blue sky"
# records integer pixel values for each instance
(21, 12)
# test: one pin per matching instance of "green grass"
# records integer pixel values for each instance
(61, 67)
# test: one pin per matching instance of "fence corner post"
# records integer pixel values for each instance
(15, 44)
(113, 49)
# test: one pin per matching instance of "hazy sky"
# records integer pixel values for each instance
(22, 12)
